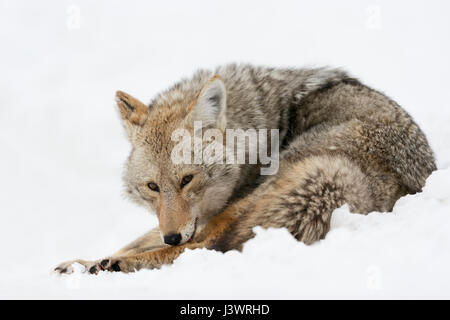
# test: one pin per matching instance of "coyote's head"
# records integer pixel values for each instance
(184, 196)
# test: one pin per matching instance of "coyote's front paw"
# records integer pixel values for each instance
(67, 267)
(119, 264)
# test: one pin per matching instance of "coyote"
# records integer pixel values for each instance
(339, 142)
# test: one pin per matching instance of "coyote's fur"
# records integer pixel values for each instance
(340, 142)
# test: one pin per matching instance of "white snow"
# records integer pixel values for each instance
(63, 147)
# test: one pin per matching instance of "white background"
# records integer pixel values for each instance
(62, 145)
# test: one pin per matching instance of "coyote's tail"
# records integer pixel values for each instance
(302, 199)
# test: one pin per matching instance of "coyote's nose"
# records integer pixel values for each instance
(172, 239)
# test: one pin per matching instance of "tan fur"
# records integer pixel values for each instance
(172, 219)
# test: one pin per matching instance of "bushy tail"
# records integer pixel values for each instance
(302, 199)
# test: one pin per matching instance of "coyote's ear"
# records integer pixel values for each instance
(211, 105)
(132, 111)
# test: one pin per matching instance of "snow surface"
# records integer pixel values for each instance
(63, 148)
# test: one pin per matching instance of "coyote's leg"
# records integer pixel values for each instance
(207, 238)
(146, 260)
(149, 241)
(67, 266)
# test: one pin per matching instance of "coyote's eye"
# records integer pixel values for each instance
(186, 180)
(153, 186)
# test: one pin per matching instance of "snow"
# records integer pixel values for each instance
(63, 148)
